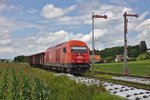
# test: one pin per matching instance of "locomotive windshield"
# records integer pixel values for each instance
(78, 49)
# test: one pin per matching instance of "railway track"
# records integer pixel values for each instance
(125, 91)
(145, 80)
(130, 80)
(116, 74)
(133, 79)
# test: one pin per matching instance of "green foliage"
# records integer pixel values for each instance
(105, 96)
(15, 86)
(41, 92)
(26, 83)
(109, 54)
(4, 85)
(109, 59)
(20, 58)
(143, 46)
(143, 56)
(26, 93)
(71, 90)
(134, 53)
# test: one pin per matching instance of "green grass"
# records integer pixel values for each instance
(21, 82)
(141, 68)
(105, 96)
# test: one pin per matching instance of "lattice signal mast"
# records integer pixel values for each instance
(93, 46)
(126, 71)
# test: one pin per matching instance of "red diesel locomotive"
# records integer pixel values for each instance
(71, 57)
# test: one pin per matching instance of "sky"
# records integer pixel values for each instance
(31, 26)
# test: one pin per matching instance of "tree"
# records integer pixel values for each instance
(134, 53)
(20, 58)
(143, 46)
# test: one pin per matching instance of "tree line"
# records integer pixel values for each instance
(133, 51)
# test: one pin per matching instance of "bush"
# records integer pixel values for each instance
(143, 56)
(109, 59)
(132, 59)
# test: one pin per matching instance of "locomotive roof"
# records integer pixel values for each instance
(65, 42)
(38, 53)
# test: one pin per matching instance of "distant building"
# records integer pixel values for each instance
(97, 58)
(6, 60)
(121, 57)
(118, 58)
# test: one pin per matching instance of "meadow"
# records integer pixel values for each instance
(22, 82)
(140, 68)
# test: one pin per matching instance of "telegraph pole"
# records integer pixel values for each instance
(93, 44)
(126, 71)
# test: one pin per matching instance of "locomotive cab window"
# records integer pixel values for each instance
(64, 50)
(78, 49)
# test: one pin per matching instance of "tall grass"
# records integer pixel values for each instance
(40, 92)
(26, 90)
(4, 85)
(15, 86)
(26, 83)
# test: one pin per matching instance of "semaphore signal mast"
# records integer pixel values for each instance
(93, 45)
(126, 71)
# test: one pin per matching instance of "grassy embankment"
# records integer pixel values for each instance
(21, 82)
(140, 68)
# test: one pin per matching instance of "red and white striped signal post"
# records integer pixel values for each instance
(93, 47)
(126, 71)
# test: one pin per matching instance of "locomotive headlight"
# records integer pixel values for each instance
(73, 61)
(86, 60)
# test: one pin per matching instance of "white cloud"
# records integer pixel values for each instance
(98, 33)
(3, 6)
(9, 7)
(7, 50)
(84, 11)
(5, 38)
(12, 24)
(49, 11)
(8, 44)
(145, 25)
(50, 38)
(144, 32)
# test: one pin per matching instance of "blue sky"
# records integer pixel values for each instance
(31, 26)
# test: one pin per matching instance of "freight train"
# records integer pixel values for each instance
(70, 57)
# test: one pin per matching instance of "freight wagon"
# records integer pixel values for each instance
(71, 57)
